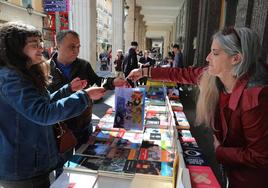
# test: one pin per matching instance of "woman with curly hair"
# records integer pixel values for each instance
(27, 110)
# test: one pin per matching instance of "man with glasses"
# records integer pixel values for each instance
(66, 66)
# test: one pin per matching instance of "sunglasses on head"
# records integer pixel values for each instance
(231, 30)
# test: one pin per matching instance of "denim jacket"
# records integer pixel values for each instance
(27, 143)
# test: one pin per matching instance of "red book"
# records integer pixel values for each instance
(202, 177)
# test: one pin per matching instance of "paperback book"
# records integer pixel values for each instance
(129, 108)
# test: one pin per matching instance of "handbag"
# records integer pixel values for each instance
(65, 138)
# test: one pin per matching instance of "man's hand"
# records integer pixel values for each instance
(77, 84)
(135, 75)
(95, 93)
(120, 82)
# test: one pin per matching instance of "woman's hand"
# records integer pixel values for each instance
(95, 93)
(77, 84)
(135, 75)
(120, 82)
(216, 142)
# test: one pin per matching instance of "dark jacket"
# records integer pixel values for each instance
(244, 129)
(82, 69)
(130, 61)
(149, 60)
(118, 63)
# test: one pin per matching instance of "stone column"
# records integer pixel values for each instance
(118, 29)
(84, 23)
(137, 23)
(140, 31)
(129, 24)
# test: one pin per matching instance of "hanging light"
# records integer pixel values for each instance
(29, 9)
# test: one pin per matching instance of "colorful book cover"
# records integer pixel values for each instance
(185, 136)
(129, 108)
(97, 149)
(156, 119)
(156, 153)
(202, 176)
(124, 143)
(155, 168)
(106, 135)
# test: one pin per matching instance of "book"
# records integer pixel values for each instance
(83, 164)
(202, 176)
(185, 136)
(181, 121)
(129, 108)
(155, 168)
(113, 165)
(130, 166)
(193, 156)
(125, 143)
(176, 105)
(155, 119)
(75, 180)
(106, 135)
(117, 152)
(99, 149)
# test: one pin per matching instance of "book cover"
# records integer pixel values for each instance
(106, 135)
(129, 108)
(155, 168)
(193, 156)
(202, 176)
(92, 163)
(113, 165)
(121, 153)
(97, 149)
(185, 136)
(124, 143)
(130, 166)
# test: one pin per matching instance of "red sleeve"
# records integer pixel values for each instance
(255, 129)
(189, 75)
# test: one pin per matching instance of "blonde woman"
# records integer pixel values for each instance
(233, 101)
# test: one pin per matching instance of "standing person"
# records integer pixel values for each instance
(130, 61)
(104, 59)
(27, 110)
(118, 63)
(233, 100)
(66, 66)
(178, 60)
(145, 61)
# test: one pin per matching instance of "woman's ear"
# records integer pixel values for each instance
(237, 59)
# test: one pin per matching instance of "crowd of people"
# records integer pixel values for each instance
(36, 94)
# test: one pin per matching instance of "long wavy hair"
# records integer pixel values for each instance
(13, 37)
(232, 41)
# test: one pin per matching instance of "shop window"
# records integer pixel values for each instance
(25, 3)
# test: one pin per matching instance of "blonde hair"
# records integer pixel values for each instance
(207, 99)
(232, 41)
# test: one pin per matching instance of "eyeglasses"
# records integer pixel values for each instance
(36, 45)
(231, 30)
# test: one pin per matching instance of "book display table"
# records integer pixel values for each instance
(162, 154)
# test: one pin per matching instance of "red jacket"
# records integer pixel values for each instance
(244, 128)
